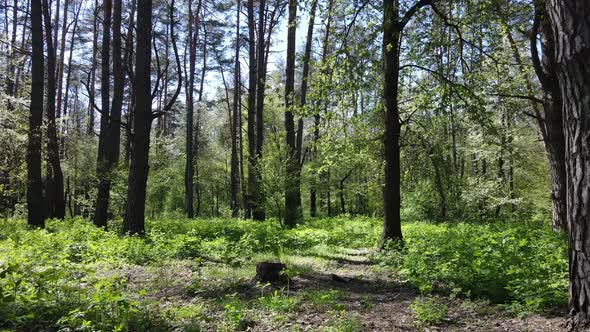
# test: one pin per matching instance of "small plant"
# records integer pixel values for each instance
(323, 299)
(278, 301)
(429, 311)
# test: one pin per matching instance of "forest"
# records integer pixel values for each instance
(294, 165)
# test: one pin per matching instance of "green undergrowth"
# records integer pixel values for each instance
(517, 264)
(71, 276)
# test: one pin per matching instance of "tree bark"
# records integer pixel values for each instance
(55, 202)
(234, 176)
(551, 121)
(104, 144)
(252, 81)
(293, 213)
(570, 21)
(258, 212)
(138, 168)
(391, 192)
(189, 167)
(34, 182)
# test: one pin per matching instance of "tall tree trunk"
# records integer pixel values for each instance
(258, 212)
(293, 213)
(56, 206)
(317, 116)
(34, 181)
(391, 192)
(104, 144)
(571, 28)
(551, 121)
(234, 176)
(549, 117)
(138, 168)
(252, 81)
(189, 166)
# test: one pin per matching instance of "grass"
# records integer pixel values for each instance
(195, 275)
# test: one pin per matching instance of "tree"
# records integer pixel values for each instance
(571, 29)
(134, 222)
(34, 182)
(55, 199)
(235, 121)
(193, 32)
(293, 212)
(393, 25)
(142, 122)
(104, 145)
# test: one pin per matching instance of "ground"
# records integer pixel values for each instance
(330, 292)
(199, 275)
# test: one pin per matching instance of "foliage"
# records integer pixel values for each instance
(68, 274)
(429, 311)
(505, 262)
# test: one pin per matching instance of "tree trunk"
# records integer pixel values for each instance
(549, 118)
(104, 144)
(34, 181)
(551, 121)
(317, 117)
(189, 166)
(252, 81)
(571, 28)
(293, 213)
(138, 168)
(234, 176)
(258, 212)
(56, 207)
(391, 192)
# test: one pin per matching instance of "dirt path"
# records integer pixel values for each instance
(382, 304)
(333, 292)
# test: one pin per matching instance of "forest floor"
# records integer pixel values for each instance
(199, 275)
(342, 291)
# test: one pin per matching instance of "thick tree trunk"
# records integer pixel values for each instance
(391, 192)
(104, 144)
(34, 181)
(293, 213)
(570, 20)
(551, 121)
(56, 206)
(549, 118)
(138, 168)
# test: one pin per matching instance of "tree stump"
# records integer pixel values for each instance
(270, 272)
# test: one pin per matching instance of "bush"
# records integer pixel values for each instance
(429, 311)
(501, 261)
